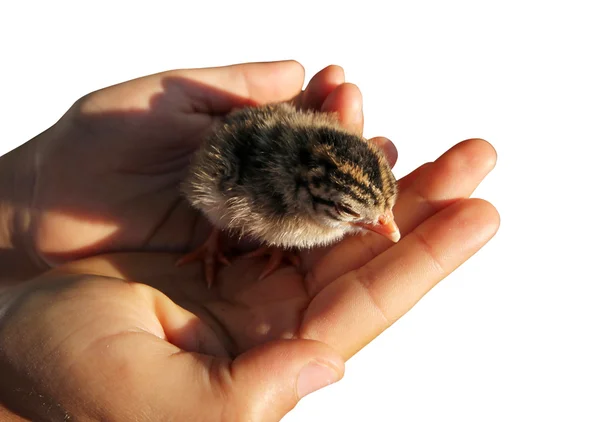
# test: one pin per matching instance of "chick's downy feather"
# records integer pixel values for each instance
(289, 178)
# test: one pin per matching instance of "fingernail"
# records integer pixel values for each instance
(315, 376)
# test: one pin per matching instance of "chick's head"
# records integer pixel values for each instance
(346, 184)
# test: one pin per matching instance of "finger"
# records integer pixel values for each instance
(388, 148)
(452, 177)
(214, 90)
(346, 102)
(320, 86)
(371, 298)
(410, 178)
(266, 382)
(245, 84)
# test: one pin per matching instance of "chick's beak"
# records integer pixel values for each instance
(385, 226)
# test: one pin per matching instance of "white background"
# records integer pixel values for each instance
(513, 334)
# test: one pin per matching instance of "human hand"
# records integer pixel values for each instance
(106, 176)
(82, 342)
(364, 282)
(235, 351)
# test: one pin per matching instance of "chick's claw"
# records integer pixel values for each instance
(208, 252)
(276, 257)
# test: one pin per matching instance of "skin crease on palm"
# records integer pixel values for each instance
(112, 166)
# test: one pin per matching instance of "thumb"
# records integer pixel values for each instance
(268, 381)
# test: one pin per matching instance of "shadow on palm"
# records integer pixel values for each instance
(238, 313)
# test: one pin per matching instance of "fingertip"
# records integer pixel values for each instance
(316, 375)
(333, 72)
(353, 94)
(387, 147)
(490, 151)
(295, 67)
(285, 72)
(472, 222)
(291, 65)
(484, 151)
(457, 172)
(320, 86)
(347, 101)
(285, 370)
(487, 214)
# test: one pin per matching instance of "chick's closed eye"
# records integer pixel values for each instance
(342, 209)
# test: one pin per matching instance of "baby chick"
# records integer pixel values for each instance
(290, 179)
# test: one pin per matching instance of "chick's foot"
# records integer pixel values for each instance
(276, 258)
(209, 252)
